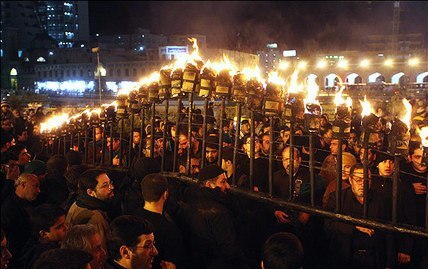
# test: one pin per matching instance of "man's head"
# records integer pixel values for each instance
(7, 140)
(327, 136)
(212, 176)
(415, 155)
(96, 183)
(227, 159)
(211, 150)
(6, 124)
(385, 164)
(334, 146)
(21, 135)
(348, 160)
(371, 156)
(183, 143)
(86, 237)
(98, 133)
(265, 142)
(154, 187)
(131, 242)
(48, 223)
(136, 136)
(286, 159)
(27, 187)
(356, 179)
(246, 144)
(116, 143)
(194, 165)
(245, 127)
(148, 144)
(22, 153)
(282, 251)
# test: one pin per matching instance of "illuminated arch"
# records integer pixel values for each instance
(395, 79)
(41, 60)
(331, 80)
(13, 72)
(376, 78)
(421, 78)
(353, 78)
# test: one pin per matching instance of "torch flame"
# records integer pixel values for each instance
(53, 123)
(274, 78)
(424, 136)
(253, 73)
(224, 64)
(311, 96)
(367, 107)
(294, 86)
(338, 99)
(154, 77)
(407, 117)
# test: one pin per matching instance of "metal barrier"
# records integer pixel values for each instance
(71, 137)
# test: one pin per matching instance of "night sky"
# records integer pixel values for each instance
(250, 25)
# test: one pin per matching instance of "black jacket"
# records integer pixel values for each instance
(208, 226)
(16, 223)
(345, 239)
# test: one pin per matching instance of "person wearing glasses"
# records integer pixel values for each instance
(95, 191)
(354, 246)
(131, 244)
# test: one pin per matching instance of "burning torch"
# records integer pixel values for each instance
(273, 103)
(398, 145)
(341, 129)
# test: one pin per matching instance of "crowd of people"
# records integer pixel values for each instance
(64, 207)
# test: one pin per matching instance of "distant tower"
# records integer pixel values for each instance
(65, 21)
(395, 28)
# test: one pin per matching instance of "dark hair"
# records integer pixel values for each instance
(72, 175)
(282, 251)
(153, 186)
(227, 154)
(63, 258)
(126, 230)
(88, 180)
(57, 165)
(413, 145)
(212, 142)
(73, 158)
(15, 150)
(6, 138)
(357, 166)
(44, 216)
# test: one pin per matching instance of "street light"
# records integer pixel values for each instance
(100, 72)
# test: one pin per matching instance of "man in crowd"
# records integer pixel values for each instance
(131, 244)
(92, 205)
(87, 237)
(282, 251)
(354, 246)
(16, 211)
(169, 240)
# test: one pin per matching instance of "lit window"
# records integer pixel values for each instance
(41, 60)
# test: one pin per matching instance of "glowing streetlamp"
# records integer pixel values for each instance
(364, 63)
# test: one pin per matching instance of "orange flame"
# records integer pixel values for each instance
(53, 123)
(338, 99)
(153, 77)
(312, 92)
(225, 64)
(408, 115)
(294, 86)
(253, 73)
(274, 78)
(367, 107)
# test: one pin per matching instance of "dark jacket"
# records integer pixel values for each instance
(32, 251)
(347, 243)
(208, 226)
(169, 240)
(406, 212)
(16, 223)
